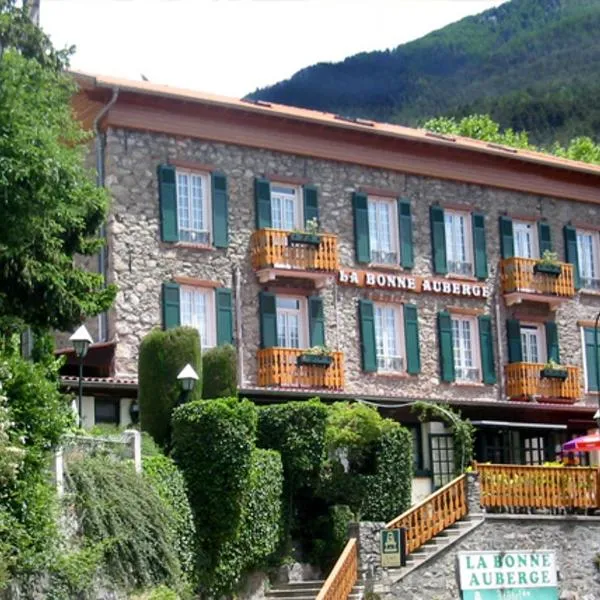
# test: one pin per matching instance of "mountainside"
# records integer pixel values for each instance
(531, 64)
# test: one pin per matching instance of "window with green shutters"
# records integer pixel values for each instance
(208, 310)
(524, 238)
(193, 206)
(571, 254)
(591, 351)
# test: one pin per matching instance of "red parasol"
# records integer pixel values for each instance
(585, 443)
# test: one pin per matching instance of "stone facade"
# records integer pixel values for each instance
(139, 262)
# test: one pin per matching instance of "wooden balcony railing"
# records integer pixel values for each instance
(438, 511)
(508, 486)
(524, 380)
(278, 367)
(518, 275)
(270, 249)
(343, 576)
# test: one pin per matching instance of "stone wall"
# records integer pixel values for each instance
(140, 262)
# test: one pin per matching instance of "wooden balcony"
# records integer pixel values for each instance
(520, 281)
(273, 255)
(524, 380)
(279, 367)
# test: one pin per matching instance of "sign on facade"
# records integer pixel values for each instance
(511, 575)
(391, 543)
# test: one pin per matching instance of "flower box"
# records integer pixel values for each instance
(314, 360)
(307, 239)
(546, 269)
(550, 373)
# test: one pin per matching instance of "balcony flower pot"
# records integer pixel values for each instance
(554, 373)
(314, 360)
(305, 239)
(547, 269)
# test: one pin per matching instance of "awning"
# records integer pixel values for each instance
(514, 425)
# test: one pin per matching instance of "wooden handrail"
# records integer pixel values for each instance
(343, 576)
(527, 486)
(524, 380)
(431, 516)
(518, 275)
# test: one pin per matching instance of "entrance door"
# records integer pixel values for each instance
(442, 458)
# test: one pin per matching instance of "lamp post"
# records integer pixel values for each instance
(188, 377)
(81, 341)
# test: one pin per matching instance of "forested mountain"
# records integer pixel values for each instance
(530, 64)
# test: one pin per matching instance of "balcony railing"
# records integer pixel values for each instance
(279, 367)
(525, 380)
(519, 276)
(271, 249)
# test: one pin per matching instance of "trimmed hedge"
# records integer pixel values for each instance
(162, 356)
(169, 483)
(219, 367)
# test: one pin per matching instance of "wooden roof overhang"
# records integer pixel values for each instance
(317, 135)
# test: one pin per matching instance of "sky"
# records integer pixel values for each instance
(231, 47)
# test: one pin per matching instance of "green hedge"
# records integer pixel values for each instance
(219, 367)
(169, 483)
(162, 356)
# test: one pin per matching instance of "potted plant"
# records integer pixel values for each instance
(317, 356)
(309, 236)
(552, 370)
(548, 264)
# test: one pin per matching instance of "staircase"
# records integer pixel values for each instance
(306, 590)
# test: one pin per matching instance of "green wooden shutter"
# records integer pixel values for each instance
(438, 239)
(446, 346)
(170, 305)
(591, 359)
(411, 339)
(545, 237)
(479, 249)
(316, 321)
(486, 345)
(224, 302)
(311, 203)
(507, 242)
(268, 319)
(552, 348)
(262, 198)
(367, 335)
(405, 229)
(167, 196)
(360, 203)
(513, 334)
(571, 252)
(220, 203)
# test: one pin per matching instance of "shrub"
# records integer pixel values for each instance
(162, 356)
(120, 510)
(212, 444)
(329, 536)
(168, 482)
(219, 368)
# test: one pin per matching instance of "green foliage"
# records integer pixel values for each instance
(530, 64)
(219, 372)
(169, 483)
(120, 510)
(73, 574)
(462, 430)
(162, 356)
(212, 444)
(329, 534)
(149, 446)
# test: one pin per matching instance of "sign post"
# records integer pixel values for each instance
(509, 575)
(392, 545)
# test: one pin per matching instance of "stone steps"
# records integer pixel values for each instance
(305, 590)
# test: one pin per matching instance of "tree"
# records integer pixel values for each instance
(50, 207)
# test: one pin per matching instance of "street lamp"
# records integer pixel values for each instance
(81, 341)
(188, 378)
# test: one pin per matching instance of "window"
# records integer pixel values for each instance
(197, 310)
(525, 239)
(533, 347)
(383, 231)
(193, 207)
(389, 338)
(442, 458)
(291, 322)
(587, 255)
(106, 410)
(459, 249)
(286, 212)
(466, 355)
